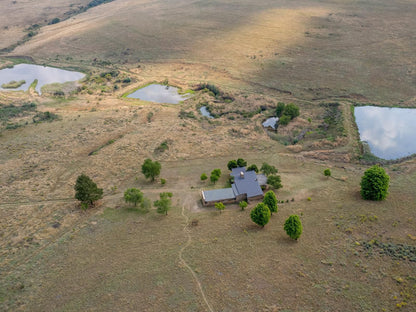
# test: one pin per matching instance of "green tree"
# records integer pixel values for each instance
(270, 201)
(241, 162)
(268, 169)
(151, 169)
(232, 164)
(133, 195)
(215, 175)
(274, 181)
(204, 176)
(164, 203)
(253, 167)
(284, 120)
(291, 110)
(220, 206)
(279, 109)
(243, 205)
(293, 227)
(327, 172)
(86, 191)
(375, 183)
(260, 214)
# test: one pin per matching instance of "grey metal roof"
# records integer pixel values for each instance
(220, 194)
(248, 185)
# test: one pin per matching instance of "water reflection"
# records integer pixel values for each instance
(204, 111)
(271, 122)
(43, 74)
(390, 132)
(159, 94)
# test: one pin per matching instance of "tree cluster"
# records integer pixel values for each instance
(215, 175)
(286, 112)
(236, 163)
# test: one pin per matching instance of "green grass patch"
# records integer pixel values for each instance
(13, 84)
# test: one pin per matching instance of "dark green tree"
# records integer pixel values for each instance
(86, 191)
(375, 183)
(243, 205)
(253, 167)
(260, 214)
(133, 195)
(293, 227)
(327, 172)
(291, 110)
(284, 120)
(279, 109)
(241, 162)
(204, 177)
(268, 169)
(274, 181)
(151, 169)
(220, 206)
(164, 203)
(215, 175)
(270, 201)
(232, 164)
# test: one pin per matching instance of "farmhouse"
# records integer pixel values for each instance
(247, 186)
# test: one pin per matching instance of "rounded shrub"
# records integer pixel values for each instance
(293, 227)
(374, 183)
(260, 214)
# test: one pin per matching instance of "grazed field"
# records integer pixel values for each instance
(55, 257)
(315, 49)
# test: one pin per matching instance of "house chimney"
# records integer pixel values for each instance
(242, 175)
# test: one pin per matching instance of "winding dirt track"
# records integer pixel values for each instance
(198, 282)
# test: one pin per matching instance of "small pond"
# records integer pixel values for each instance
(204, 111)
(159, 94)
(390, 132)
(271, 122)
(44, 75)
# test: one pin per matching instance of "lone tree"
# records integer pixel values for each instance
(293, 227)
(291, 110)
(164, 203)
(220, 206)
(215, 175)
(151, 169)
(241, 162)
(260, 214)
(232, 164)
(86, 191)
(274, 181)
(268, 169)
(253, 167)
(270, 201)
(375, 183)
(133, 195)
(327, 172)
(243, 204)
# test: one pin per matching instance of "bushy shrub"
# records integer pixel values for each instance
(375, 183)
(260, 214)
(293, 227)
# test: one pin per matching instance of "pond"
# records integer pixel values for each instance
(44, 75)
(389, 132)
(271, 122)
(159, 94)
(204, 111)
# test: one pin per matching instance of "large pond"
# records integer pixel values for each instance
(390, 132)
(44, 75)
(159, 94)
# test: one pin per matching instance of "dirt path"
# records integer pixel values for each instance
(198, 282)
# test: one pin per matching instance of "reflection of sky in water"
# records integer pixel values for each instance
(159, 94)
(271, 122)
(205, 112)
(44, 75)
(390, 132)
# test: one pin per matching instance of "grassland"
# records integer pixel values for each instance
(323, 56)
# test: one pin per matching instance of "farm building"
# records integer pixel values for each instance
(246, 186)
